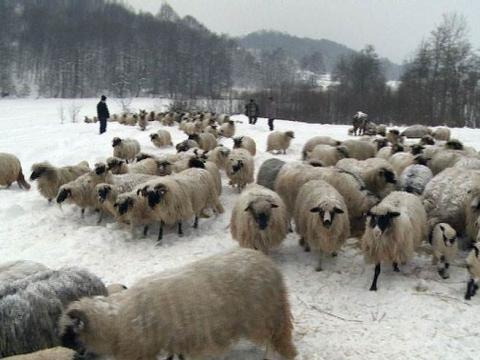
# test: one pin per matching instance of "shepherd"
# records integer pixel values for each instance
(103, 114)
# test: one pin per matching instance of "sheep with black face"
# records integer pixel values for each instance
(240, 168)
(444, 246)
(245, 142)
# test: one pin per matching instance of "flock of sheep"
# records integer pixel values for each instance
(394, 193)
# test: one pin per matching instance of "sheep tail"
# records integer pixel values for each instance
(282, 336)
(22, 182)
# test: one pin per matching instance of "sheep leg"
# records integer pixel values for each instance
(470, 286)
(319, 263)
(375, 277)
(442, 268)
(145, 230)
(49, 201)
(82, 213)
(100, 218)
(334, 254)
(195, 222)
(160, 232)
(180, 231)
(395, 267)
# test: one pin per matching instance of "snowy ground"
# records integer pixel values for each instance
(414, 315)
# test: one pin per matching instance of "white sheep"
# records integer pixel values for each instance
(212, 303)
(327, 155)
(321, 218)
(394, 229)
(245, 142)
(125, 148)
(279, 141)
(360, 150)
(205, 141)
(401, 160)
(240, 168)
(416, 131)
(17, 270)
(414, 179)
(56, 353)
(186, 145)
(317, 140)
(268, 172)
(219, 156)
(11, 171)
(211, 168)
(259, 219)
(473, 267)
(441, 133)
(49, 178)
(227, 129)
(161, 138)
(444, 247)
(387, 151)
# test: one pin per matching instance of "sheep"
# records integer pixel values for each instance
(414, 178)
(56, 353)
(192, 127)
(223, 118)
(259, 219)
(381, 130)
(212, 129)
(161, 138)
(445, 247)
(441, 133)
(468, 163)
(394, 229)
(11, 171)
(394, 137)
(447, 158)
(317, 140)
(416, 131)
(168, 119)
(279, 141)
(142, 120)
(115, 289)
(321, 218)
(401, 160)
(387, 151)
(237, 295)
(360, 150)
(427, 140)
(81, 191)
(268, 172)
(119, 166)
(473, 267)
(205, 141)
(245, 142)
(219, 156)
(50, 178)
(327, 155)
(240, 168)
(377, 174)
(227, 129)
(30, 307)
(211, 168)
(16, 270)
(186, 145)
(125, 148)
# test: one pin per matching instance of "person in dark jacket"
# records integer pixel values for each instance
(252, 111)
(102, 114)
(271, 112)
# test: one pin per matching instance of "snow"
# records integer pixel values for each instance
(414, 314)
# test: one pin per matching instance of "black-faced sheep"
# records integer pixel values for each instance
(394, 137)
(11, 171)
(161, 138)
(259, 219)
(321, 218)
(394, 229)
(317, 140)
(416, 131)
(227, 129)
(205, 141)
(223, 298)
(279, 141)
(219, 156)
(444, 247)
(119, 166)
(245, 142)
(360, 150)
(240, 168)
(50, 178)
(327, 155)
(125, 148)
(441, 133)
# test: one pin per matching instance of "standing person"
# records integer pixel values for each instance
(103, 114)
(271, 112)
(252, 111)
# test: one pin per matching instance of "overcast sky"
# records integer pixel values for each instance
(394, 27)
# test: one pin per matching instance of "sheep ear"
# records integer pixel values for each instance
(338, 210)
(475, 204)
(442, 228)
(315, 210)
(249, 207)
(274, 206)
(393, 214)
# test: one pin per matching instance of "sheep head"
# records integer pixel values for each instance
(156, 195)
(237, 142)
(380, 223)
(196, 163)
(63, 194)
(39, 170)
(100, 168)
(454, 144)
(327, 213)
(116, 141)
(448, 234)
(261, 211)
(124, 203)
(427, 140)
(290, 134)
(388, 175)
(154, 136)
(102, 191)
(72, 325)
(237, 166)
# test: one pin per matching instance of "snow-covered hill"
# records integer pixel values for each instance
(414, 315)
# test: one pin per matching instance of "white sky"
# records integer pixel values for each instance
(394, 27)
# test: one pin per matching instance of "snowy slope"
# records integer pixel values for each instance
(414, 315)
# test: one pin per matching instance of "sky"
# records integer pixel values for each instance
(394, 27)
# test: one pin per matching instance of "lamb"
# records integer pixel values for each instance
(416, 131)
(30, 307)
(205, 141)
(317, 140)
(161, 138)
(50, 178)
(56, 353)
(444, 246)
(227, 129)
(268, 172)
(237, 295)
(441, 133)
(245, 142)
(327, 155)
(240, 168)
(279, 141)
(219, 156)
(142, 120)
(119, 166)
(360, 150)
(259, 219)
(414, 178)
(377, 174)
(394, 229)
(17, 270)
(321, 218)
(125, 148)
(473, 267)
(11, 171)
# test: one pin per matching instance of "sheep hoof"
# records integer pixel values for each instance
(334, 254)
(395, 267)
(443, 274)
(318, 268)
(373, 288)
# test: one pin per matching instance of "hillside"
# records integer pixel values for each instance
(298, 47)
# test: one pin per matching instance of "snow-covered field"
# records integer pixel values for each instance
(413, 315)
